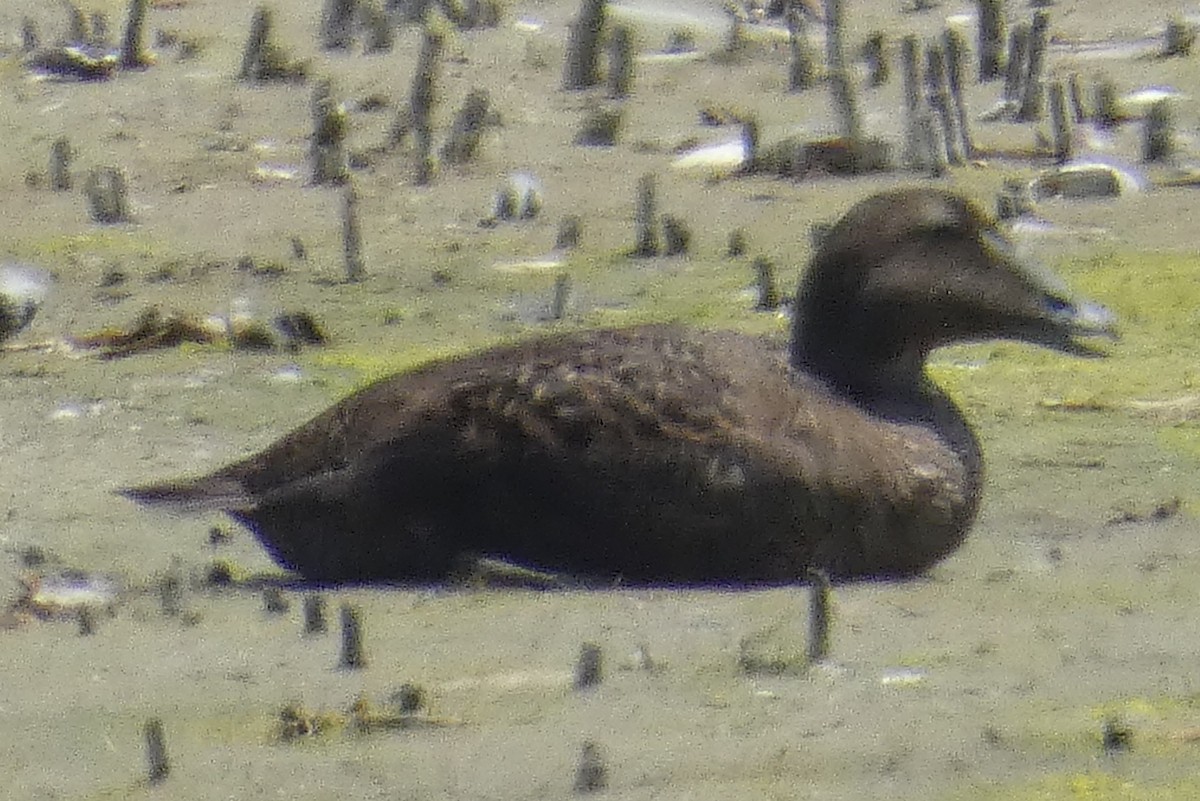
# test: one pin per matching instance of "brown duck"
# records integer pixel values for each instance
(661, 455)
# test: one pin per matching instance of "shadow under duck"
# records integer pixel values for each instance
(667, 456)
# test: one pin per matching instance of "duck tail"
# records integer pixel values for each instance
(207, 494)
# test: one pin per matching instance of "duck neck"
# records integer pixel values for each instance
(894, 388)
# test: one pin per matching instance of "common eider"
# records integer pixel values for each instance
(659, 455)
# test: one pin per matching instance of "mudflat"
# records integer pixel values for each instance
(1053, 656)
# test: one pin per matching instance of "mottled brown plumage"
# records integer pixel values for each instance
(660, 455)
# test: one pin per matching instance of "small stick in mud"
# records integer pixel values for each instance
(1014, 199)
(581, 70)
(991, 39)
(589, 668)
(570, 229)
(262, 58)
(485, 13)
(519, 198)
(330, 126)
(337, 24)
(99, 22)
(314, 615)
(750, 142)
(818, 616)
(77, 24)
(1060, 122)
(409, 699)
(1178, 38)
(875, 54)
(939, 99)
(352, 236)
(412, 11)
(252, 54)
(801, 64)
(86, 617)
(768, 289)
(1018, 48)
(916, 148)
(1075, 92)
(1033, 97)
(256, 44)
(1115, 737)
(455, 12)
(466, 133)
(353, 657)
(835, 37)
(506, 205)
(591, 774)
(107, 195)
(220, 573)
(132, 54)
(600, 128)
(1106, 105)
(735, 34)
(802, 67)
(644, 219)
(562, 296)
(620, 62)
(677, 237)
(423, 94)
(380, 38)
(845, 103)
(60, 164)
(424, 97)
(929, 139)
(30, 40)
(170, 590)
(737, 244)
(1158, 137)
(424, 164)
(956, 54)
(158, 765)
(274, 601)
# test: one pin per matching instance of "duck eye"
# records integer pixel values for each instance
(1058, 305)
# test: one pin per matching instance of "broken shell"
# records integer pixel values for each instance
(64, 595)
(22, 290)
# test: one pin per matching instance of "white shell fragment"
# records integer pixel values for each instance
(65, 594)
(23, 289)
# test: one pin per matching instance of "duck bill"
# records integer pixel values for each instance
(1050, 316)
(1074, 328)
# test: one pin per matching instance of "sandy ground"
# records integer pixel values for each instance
(993, 677)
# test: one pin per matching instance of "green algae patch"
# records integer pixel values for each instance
(11, 69)
(1092, 786)
(368, 366)
(1161, 742)
(1181, 438)
(103, 243)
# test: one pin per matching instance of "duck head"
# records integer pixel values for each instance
(908, 271)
